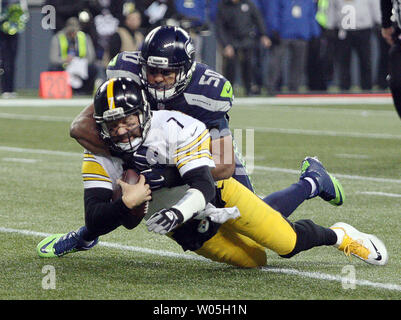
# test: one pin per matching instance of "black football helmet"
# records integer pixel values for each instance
(116, 99)
(169, 48)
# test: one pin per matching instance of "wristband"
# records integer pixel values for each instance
(192, 202)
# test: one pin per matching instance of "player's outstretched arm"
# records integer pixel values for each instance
(222, 151)
(83, 129)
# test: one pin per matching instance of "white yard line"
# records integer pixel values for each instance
(41, 151)
(332, 100)
(21, 160)
(45, 102)
(378, 193)
(292, 272)
(330, 133)
(329, 277)
(30, 117)
(352, 156)
(327, 133)
(338, 175)
(331, 110)
(260, 168)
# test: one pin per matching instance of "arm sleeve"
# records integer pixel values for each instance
(201, 179)
(201, 191)
(101, 214)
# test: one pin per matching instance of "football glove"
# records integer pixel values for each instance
(165, 221)
(154, 178)
(142, 160)
(218, 215)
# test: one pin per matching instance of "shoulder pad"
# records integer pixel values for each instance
(209, 89)
(210, 83)
(125, 64)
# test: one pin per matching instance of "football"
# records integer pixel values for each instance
(137, 213)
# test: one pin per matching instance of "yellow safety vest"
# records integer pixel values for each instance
(81, 37)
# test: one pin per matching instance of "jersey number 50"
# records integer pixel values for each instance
(126, 56)
(210, 76)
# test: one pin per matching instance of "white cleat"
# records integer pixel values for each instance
(366, 247)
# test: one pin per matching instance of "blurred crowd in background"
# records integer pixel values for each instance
(263, 47)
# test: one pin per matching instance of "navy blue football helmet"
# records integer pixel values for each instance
(166, 49)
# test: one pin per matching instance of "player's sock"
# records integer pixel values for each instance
(87, 237)
(314, 188)
(287, 200)
(310, 235)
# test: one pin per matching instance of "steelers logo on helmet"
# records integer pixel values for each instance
(121, 103)
(168, 61)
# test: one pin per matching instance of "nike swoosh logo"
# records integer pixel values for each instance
(379, 256)
(43, 249)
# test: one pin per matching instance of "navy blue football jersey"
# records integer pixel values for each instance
(208, 96)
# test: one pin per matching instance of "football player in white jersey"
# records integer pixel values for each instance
(246, 226)
(173, 80)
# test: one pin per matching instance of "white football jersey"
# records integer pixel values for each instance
(176, 139)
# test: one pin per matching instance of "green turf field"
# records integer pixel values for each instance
(41, 194)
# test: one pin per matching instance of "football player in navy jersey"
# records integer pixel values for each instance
(173, 80)
(222, 221)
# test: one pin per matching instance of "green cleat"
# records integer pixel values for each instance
(45, 248)
(328, 187)
(58, 245)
